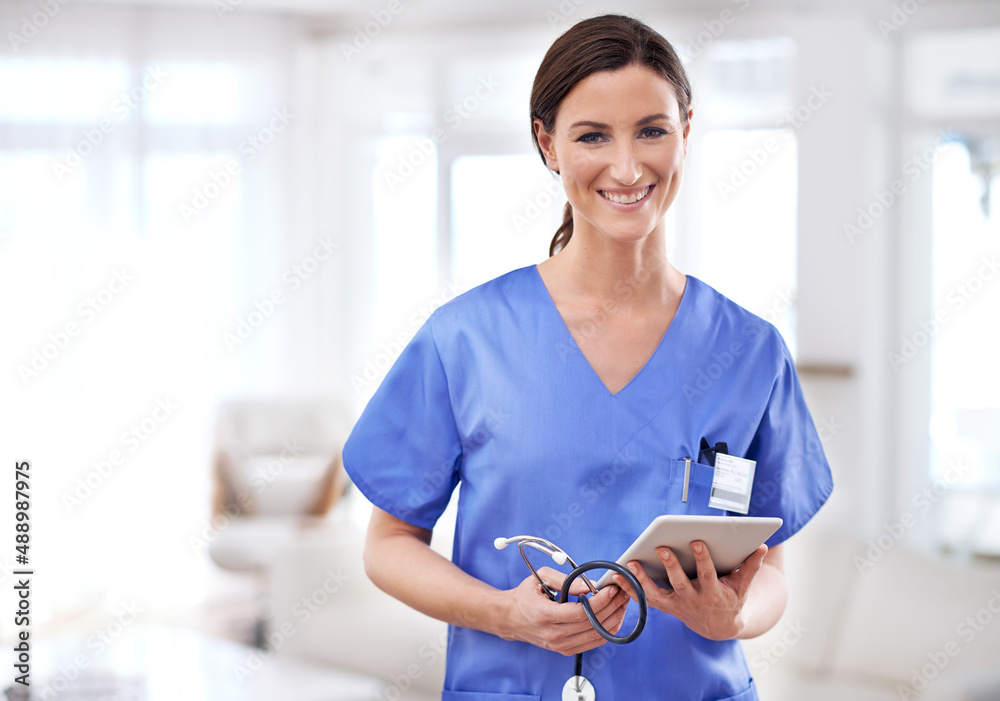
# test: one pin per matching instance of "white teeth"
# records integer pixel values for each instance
(625, 199)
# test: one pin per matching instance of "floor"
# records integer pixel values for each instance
(229, 611)
(164, 655)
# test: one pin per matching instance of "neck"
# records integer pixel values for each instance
(633, 274)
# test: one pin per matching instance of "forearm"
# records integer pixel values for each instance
(399, 560)
(765, 602)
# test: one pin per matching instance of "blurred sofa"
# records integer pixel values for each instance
(334, 615)
(871, 635)
(872, 623)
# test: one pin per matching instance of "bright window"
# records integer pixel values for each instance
(60, 90)
(97, 157)
(747, 192)
(196, 92)
(405, 228)
(749, 206)
(505, 211)
(964, 331)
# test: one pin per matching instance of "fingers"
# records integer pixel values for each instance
(613, 615)
(610, 615)
(534, 618)
(556, 639)
(675, 572)
(565, 628)
(741, 578)
(607, 598)
(655, 595)
(553, 578)
(608, 606)
(571, 614)
(626, 586)
(608, 601)
(709, 605)
(614, 625)
(703, 563)
(582, 642)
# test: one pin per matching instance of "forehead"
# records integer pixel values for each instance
(623, 96)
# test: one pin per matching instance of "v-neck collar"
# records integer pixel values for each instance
(571, 343)
(547, 345)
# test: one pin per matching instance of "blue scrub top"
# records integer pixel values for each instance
(493, 393)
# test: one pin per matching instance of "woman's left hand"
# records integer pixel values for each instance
(709, 605)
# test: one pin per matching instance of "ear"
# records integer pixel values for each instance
(545, 143)
(687, 128)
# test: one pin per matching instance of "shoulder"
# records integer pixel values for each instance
(480, 306)
(735, 328)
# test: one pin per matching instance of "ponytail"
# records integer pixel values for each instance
(564, 232)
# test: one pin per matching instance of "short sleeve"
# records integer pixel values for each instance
(792, 478)
(404, 451)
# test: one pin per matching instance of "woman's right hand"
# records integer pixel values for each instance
(399, 561)
(564, 628)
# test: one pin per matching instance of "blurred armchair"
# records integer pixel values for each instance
(279, 457)
(278, 474)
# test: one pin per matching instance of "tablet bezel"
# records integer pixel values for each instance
(730, 541)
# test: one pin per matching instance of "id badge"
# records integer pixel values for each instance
(731, 483)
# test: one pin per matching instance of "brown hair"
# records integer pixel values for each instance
(604, 43)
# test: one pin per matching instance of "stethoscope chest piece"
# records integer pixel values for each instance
(578, 689)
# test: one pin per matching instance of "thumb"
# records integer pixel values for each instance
(555, 579)
(742, 577)
(552, 577)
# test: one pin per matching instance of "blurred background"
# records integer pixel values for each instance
(221, 221)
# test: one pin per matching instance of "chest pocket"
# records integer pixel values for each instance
(698, 490)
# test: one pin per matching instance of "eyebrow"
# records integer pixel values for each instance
(601, 125)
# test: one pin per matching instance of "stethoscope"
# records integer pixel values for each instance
(578, 687)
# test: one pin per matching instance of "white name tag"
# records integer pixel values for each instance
(731, 483)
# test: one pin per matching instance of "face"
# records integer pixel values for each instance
(619, 143)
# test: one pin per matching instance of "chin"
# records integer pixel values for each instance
(635, 234)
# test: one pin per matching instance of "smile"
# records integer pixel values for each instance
(626, 198)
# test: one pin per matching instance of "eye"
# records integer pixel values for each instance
(591, 137)
(653, 132)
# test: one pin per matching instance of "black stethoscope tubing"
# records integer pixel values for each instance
(591, 616)
(578, 684)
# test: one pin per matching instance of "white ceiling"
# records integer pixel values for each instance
(340, 15)
(495, 12)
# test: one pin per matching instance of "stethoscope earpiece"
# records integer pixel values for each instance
(557, 554)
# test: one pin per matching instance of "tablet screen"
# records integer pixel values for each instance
(730, 541)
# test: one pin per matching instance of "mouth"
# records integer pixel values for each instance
(626, 197)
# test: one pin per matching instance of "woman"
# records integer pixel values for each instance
(564, 397)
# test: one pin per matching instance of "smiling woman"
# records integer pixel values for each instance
(531, 388)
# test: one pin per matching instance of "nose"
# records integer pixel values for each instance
(625, 168)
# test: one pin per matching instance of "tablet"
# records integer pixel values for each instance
(730, 541)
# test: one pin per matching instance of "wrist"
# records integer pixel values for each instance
(494, 613)
(741, 629)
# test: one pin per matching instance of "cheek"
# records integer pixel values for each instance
(581, 165)
(668, 158)
(670, 167)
